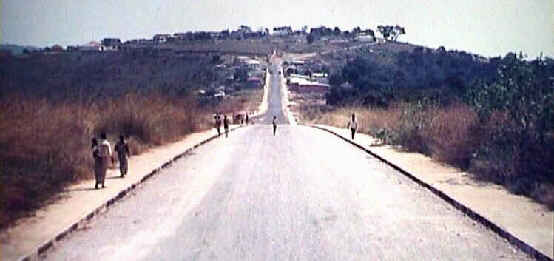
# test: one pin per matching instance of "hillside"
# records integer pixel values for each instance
(491, 116)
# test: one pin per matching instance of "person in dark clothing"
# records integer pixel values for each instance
(247, 118)
(274, 125)
(217, 118)
(226, 125)
(122, 149)
(97, 162)
(353, 125)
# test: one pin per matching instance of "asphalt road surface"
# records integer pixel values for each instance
(275, 104)
(300, 195)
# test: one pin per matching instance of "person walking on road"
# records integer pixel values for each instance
(217, 118)
(353, 125)
(226, 126)
(122, 149)
(102, 153)
(247, 118)
(97, 162)
(274, 122)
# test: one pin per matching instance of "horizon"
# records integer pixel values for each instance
(490, 29)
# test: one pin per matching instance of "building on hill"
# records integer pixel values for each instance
(92, 46)
(299, 83)
(245, 29)
(56, 48)
(161, 38)
(366, 38)
(321, 31)
(282, 31)
(180, 36)
(254, 82)
(110, 44)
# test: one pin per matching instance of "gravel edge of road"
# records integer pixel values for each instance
(529, 250)
(104, 207)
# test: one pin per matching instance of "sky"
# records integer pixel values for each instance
(486, 27)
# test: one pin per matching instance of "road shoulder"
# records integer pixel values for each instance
(80, 202)
(526, 220)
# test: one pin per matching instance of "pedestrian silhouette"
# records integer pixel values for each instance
(274, 125)
(353, 125)
(226, 126)
(102, 153)
(122, 149)
(217, 118)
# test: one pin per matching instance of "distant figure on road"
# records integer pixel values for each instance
(97, 162)
(274, 125)
(226, 126)
(247, 118)
(217, 118)
(353, 125)
(102, 153)
(123, 154)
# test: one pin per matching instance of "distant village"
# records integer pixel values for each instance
(235, 72)
(243, 32)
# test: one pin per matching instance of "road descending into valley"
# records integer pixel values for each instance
(300, 195)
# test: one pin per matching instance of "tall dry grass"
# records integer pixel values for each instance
(456, 135)
(45, 145)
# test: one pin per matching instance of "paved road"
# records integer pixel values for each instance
(275, 104)
(301, 195)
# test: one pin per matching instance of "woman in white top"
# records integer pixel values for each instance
(102, 153)
(353, 125)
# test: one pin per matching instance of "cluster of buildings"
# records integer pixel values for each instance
(323, 33)
(306, 77)
(237, 73)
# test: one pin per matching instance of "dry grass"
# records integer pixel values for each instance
(45, 145)
(457, 136)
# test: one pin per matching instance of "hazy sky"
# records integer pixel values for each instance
(487, 27)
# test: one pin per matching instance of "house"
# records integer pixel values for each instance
(161, 38)
(180, 36)
(282, 31)
(56, 48)
(256, 34)
(110, 44)
(245, 29)
(320, 31)
(300, 84)
(254, 82)
(320, 77)
(90, 47)
(366, 38)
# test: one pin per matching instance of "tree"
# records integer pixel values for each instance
(391, 31)
(385, 30)
(336, 30)
(397, 31)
